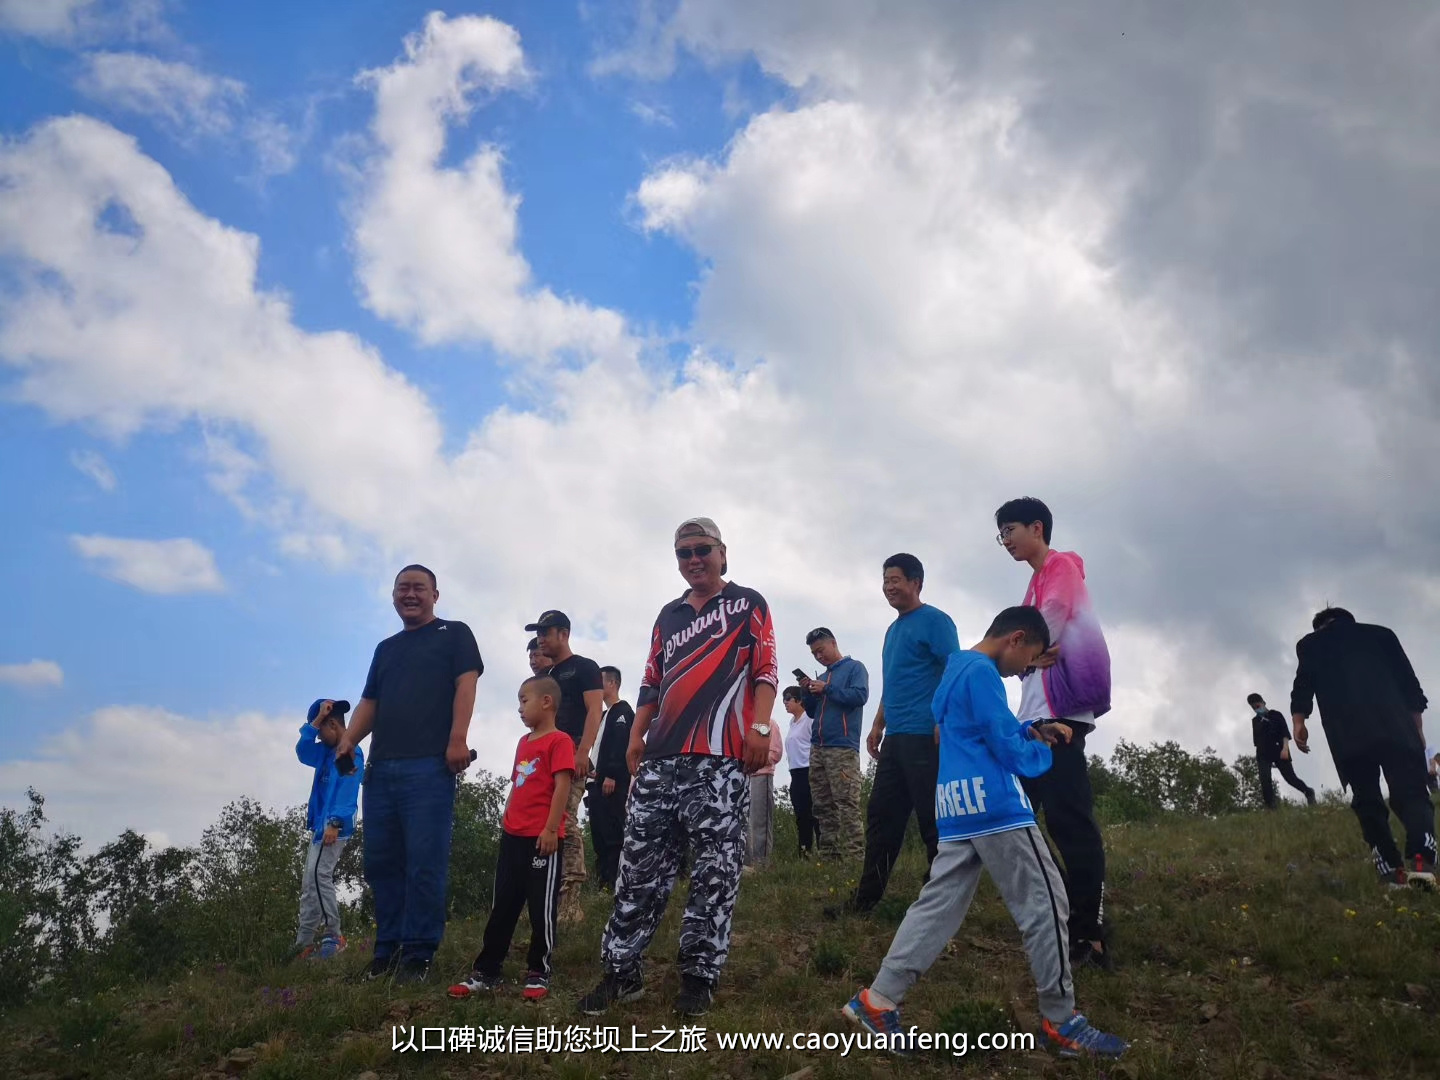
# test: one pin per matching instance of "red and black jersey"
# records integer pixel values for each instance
(702, 672)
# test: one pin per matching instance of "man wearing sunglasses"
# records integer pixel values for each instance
(702, 725)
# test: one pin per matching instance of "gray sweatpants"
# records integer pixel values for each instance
(1020, 865)
(760, 829)
(318, 907)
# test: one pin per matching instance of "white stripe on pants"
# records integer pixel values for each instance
(1029, 882)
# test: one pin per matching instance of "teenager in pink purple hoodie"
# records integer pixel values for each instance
(1070, 682)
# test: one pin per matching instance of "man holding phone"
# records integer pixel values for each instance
(417, 703)
(836, 706)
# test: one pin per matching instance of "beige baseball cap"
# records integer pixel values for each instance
(698, 526)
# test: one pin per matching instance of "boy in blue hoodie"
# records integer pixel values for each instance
(986, 822)
(330, 817)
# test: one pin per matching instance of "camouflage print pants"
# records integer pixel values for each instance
(693, 801)
(835, 791)
(572, 848)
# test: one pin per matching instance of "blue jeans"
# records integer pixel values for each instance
(409, 806)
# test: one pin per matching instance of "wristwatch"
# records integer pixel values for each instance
(761, 729)
(335, 823)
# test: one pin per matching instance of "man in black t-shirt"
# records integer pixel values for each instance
(610, 785)
(1272, 751)
(581, 707)
(416, 707)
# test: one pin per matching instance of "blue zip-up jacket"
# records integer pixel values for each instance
(839, 712)
(982, 747)
(331, 795)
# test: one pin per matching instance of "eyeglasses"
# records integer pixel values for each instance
(1004, 534)
(699, 551)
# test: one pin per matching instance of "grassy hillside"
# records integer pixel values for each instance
(1253, 946)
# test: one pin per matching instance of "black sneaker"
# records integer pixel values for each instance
(848, 907)
(382, 967)
(694, 997)
(1310, 796)
(412, 971)
(613, 990)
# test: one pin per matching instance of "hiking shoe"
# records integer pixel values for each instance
(477, 983)
(382, 967)
(1310, 796)
(613, 990)
(329, 947)
(537, 986)
(695, 996)
(1395, 881)
(1422, 876)
(1076, 1038)
(871, 1017)
(412, 971)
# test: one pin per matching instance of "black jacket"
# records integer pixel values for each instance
(1364, 685)
(614, 741)
(1270, 732)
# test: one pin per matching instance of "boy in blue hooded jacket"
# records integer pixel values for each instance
(985, 822)
(330, 817)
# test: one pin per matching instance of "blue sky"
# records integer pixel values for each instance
(842, 278)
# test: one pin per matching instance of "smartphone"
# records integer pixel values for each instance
(800, 675)
(345, 764)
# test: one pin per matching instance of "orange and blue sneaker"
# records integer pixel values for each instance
(1077, 1038)
(863, 1011)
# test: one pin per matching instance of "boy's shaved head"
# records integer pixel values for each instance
(542, 685)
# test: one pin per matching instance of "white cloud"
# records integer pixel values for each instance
(96, 468)
(157, 772)
(35, 673)
(166, 567)
(437, 247)
(930, 308)
(179, 96)
(78, 21)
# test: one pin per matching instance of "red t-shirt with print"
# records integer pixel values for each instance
(533, 782)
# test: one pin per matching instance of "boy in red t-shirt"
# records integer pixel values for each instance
(527, 870)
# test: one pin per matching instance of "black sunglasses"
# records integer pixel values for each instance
(698, 551)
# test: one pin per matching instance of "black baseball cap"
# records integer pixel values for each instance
(548, 619)
(338, 708)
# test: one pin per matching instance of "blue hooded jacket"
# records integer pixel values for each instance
(982, 747)
(331, 795)
(839, 712)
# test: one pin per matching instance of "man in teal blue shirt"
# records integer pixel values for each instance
(902, 737)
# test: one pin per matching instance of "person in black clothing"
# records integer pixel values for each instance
(1272, 751)
(610, 785)
(1371, 707)
(581, 708)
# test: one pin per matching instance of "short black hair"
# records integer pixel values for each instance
(1326, 615)
(425, 569)
(534, 645)
(1025, 511)
(908, 565)
(820, 633)
(1021, 617)
(793, 693)
(1255, 699)
(612, 671)
(543, 684)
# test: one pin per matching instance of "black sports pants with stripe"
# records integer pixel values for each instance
(523, 877)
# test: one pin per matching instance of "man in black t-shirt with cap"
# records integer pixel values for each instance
(582, 706)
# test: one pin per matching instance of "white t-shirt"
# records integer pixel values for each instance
(797, 742)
